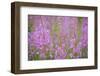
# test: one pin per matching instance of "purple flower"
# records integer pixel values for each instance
(60, 52)
(41, 37)
(84, 38)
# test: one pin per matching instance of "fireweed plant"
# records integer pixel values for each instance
(57, 37)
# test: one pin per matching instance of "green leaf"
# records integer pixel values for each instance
(79, 30)
(36, 57)
(68, 57)
(55, 28)
(29, 28)
(84, 52)
(48, 55)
